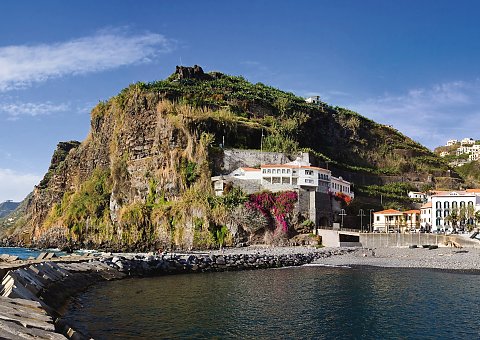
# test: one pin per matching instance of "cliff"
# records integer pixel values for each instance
(141, 179)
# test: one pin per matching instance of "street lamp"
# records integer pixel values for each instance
(342, 213)
(361, 213)
(370, 213)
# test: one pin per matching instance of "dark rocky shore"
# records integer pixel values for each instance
(172, 263)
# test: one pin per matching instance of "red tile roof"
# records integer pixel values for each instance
(250, 169)
(388, 212)
(473, 190)
(426, 205)
(290, 166)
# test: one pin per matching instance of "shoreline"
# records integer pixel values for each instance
(442, 258)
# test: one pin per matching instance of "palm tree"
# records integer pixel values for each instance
(470, 214)
(477, 216)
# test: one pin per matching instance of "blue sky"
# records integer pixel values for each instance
(410, 64)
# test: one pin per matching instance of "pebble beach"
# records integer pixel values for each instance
(465, 259)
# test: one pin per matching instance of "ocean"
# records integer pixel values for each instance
(309, 302)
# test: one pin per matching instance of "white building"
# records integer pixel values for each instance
(426, 216)
(300, 174)
(391, 220)
(313, 100)
(247, 173)
(338, 185)
(451, 142)
(443, 204)
(417, 195)
(290, 176)
(387, 220)
(467, 141)
(463, 149)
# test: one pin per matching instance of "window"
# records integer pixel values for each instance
(446, 205)
(470, 204)
(264, 171)
(454, 205)
(269, 171)
(462, 204)
(283, 171)
(378, 218)
(288, 171)
(439, 205)
(438, 221)
(308, 172)
(439, 213)
(446, 213)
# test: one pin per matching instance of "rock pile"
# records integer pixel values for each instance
(147, 265)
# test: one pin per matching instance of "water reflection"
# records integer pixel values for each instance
(306, 302)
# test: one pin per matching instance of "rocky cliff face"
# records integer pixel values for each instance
(141, 179)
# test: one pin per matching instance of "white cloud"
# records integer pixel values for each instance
(23, 65)
(429, 115)
(14, 110)
(16, 186)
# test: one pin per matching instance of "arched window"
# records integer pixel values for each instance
(446, 205)
(446, 213)
(439, 213)
(462, 204)
(439, 205)
(438, 221)
(454, 205)
(470, 204)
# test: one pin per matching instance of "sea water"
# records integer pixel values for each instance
(289, 303)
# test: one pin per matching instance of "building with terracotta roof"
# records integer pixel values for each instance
(426, 216)
(320, 194)
(387, 220)
(391, 220)
(461, 204)
(292, 176)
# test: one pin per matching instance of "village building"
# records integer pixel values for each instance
(467, 141)
(464, 203)
(313, 100)
(417, 195)
(315, 186)
(392, 220)
(426, 216)
(387, 220)
(451, 142)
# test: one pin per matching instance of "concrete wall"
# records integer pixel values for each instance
(402, 240)
(236, 158)
(317, 206)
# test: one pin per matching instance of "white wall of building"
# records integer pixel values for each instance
(443, 204)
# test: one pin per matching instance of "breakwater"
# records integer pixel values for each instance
(145, 265)
(49, 284)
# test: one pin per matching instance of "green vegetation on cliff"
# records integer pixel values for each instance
(141, 179)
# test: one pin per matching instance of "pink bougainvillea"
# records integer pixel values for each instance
(274, 205)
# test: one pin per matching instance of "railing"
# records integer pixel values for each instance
(339, 229)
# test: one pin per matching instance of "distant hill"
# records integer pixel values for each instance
(7, 207)
(460, 158)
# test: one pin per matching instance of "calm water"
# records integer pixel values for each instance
(291, 303)
(22, 253)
